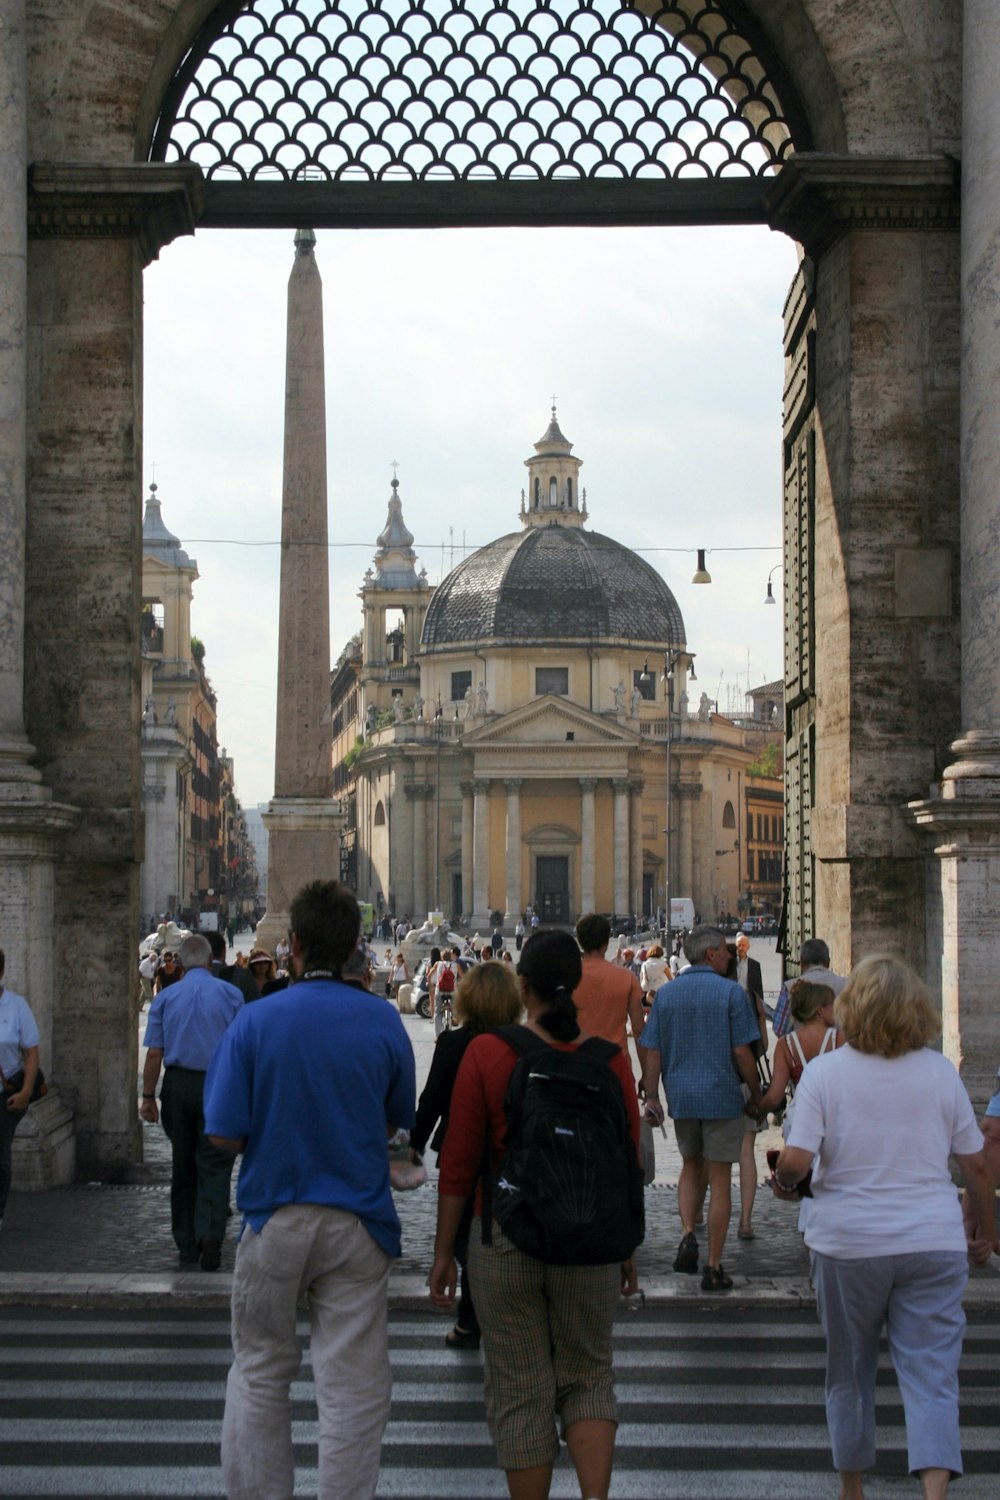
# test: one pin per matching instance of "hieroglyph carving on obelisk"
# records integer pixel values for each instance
(303, 821)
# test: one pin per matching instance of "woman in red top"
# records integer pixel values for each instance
(546, 1329)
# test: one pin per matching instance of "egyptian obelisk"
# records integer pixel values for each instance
(303, 821)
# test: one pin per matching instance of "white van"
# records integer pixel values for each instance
(681, 913)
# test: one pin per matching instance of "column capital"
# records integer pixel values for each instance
(150, 202)
(513, 783)
(817, 196)
(481, 786)
(466, 788)
(621, 786)
(588, 783)
(689, 789)
(637, 787)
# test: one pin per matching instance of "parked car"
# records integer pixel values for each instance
(421, 991)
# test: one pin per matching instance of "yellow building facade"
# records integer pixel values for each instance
(506, 738)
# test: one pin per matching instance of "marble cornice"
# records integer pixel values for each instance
(817, 197)
(149, 202)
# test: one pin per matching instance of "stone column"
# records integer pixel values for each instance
(417, 797)
(635, 845)
(467, 845)
(480, 855)
(963, 812)
(513, 785)
(19, 780)
(621, 847)
(303, 821)
(588, 845)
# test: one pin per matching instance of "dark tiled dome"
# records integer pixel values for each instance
(552, 583)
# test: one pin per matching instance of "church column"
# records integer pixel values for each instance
(417, 797)
(621, 847)
(635, 870)
(588, 845)
(480, 854)
(513, 785)
(467, 842)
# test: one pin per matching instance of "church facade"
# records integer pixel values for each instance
(506, 738)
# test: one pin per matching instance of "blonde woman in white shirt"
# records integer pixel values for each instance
(883, 1113)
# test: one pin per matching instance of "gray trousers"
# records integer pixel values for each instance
(327, 1256)
(919, 1299)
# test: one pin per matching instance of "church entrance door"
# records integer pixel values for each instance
(552, 887)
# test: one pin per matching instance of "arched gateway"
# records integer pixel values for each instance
(122, 127)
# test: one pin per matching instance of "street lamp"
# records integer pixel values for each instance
(778, 568)
(673, 657)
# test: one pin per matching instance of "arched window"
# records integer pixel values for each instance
(728, 816)
(379, 818)
(553, 491)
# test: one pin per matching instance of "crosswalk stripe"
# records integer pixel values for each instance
(123, 1405)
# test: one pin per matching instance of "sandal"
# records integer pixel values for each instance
(745, 1234)
(714, 1279)
(462, 1338)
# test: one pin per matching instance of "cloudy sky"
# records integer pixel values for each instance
(443, 350)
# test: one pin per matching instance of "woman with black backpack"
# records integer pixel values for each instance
(558, 1215)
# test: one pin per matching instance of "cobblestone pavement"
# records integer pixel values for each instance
(112, 1241)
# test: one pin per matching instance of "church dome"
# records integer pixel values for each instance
(552, 583)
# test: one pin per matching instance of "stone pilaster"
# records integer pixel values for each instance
(635, 845)
(588, 845)
(417, 795)
(621, 847)
(513, 786)
(480, 855)
(963, 812)
(305, 820)
(467, 847)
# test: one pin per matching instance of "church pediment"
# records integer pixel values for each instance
(548, 721)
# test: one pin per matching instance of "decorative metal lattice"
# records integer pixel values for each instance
(474, 89)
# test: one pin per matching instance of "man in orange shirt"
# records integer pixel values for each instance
(607, 995)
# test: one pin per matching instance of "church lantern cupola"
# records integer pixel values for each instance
(553, 495)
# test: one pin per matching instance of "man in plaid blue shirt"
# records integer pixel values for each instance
(698, 1039)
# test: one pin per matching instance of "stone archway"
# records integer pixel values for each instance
(871, 460)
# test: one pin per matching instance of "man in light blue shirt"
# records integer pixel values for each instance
(19, 1066)
(186, 1023)
(698, 1038)
(309, 1084)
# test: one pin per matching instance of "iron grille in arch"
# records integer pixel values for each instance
(439, 90)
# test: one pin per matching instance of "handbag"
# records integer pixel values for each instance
(13, 1084)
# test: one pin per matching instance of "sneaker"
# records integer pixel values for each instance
(211, 1253)
(714, 1279)
(686, 1259)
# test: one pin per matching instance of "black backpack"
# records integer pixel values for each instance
(570, 1189)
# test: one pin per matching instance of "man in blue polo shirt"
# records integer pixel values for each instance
(309, 1084)
(186, 1023)
(698, 1039)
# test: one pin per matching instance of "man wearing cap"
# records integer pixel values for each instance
(186, 1023)
(310, 1088)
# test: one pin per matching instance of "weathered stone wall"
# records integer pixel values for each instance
(82, 657)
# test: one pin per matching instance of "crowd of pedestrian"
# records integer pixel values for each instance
(289, 1059)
